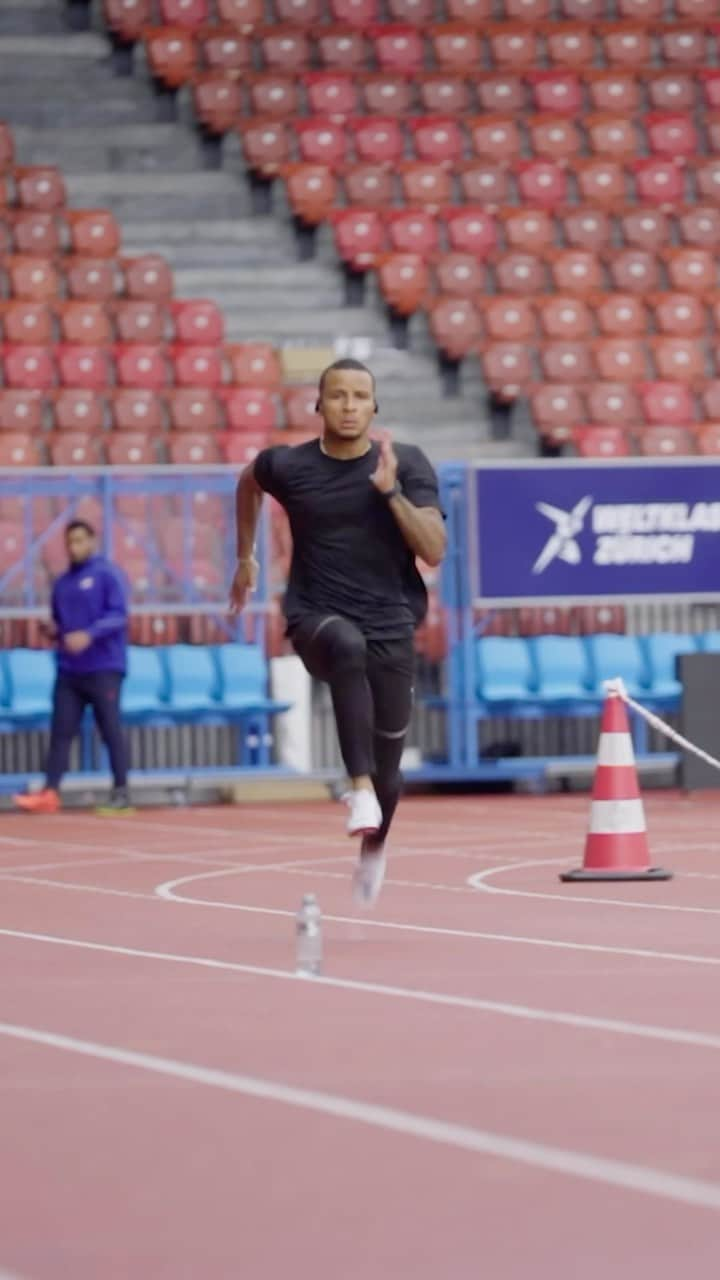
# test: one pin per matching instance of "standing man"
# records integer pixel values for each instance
(89, 627)
(360, 512)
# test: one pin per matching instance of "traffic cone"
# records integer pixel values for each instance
(616, 847)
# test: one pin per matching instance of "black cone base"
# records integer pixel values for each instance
(583, 873)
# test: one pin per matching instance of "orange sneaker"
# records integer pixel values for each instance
(45, 801)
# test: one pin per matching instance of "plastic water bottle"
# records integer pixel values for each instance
(308, 934)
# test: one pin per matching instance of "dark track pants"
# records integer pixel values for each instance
(101, 691)
(371, 684)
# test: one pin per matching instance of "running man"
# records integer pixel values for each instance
(89, 628)
(360, 512)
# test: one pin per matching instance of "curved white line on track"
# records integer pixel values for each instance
(478, 880)
(166, 892)
(527, 1013)
(574, 1164)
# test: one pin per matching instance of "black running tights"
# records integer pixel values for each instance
(371, 684)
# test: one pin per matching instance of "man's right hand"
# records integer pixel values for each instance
(243, 583)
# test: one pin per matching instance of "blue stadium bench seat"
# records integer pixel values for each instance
(562, 675)
(143, 692)
(504, 677)
(611, 656)
(192, 683)
(242, 693)
(30, 677)
(661, 650)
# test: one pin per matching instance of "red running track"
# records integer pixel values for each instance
(497, 1075)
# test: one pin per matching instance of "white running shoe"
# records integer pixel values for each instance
(368, 877)
(365, 813)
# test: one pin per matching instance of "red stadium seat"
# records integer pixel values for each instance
(404, 281)
(197, 366)
(32, 279)
(224, 48)
(666, 402)
(320, 140)
(184, 13)
(459, 275)
(425, 184)
(86, 323)
(186, 448)
(282, 48)
(137, 409)
(138, 365)
(127, 18)
(690, 269)
(620, 359)
(371, 186)
(558, 91)
(513, 44)
(509, 319)
(130, 449)
(455, 326)
(18, 450)
(520, 273)
(685, 44)
(707, 178)
(93, 232)
(398, 47)
(93, 279)
(526, 10)
(28, 368)
(420, 13)
(614, 403)
(556, 404)
(659, 181)
(244, 15)
(253, 364)
(148, 277)
(170, 53)
(681, 358)
(640, 10)
(585, 228)
(217, 99)
(501, 92)
(544, 620)
(563, 316)
(621, 315)
(645, 228)
(331, 93)
(670, 89)
(594, 619)
(265, 146)
(457, 47)
(442, 92)
(569, 44)
(528, 228)
(665, 441)
(75, 449)
(78, 410)
(566, 361)
(250, 409)
(616, 90)
(385, 93)
(634, 270)
(311, 191)
(679, 314)
(612, 135)
(553, 137)
(300, 13)
(471, 13)
(437, 139)
(575, 270)
(506, 366)
(273, 95)
(672, 135)
(708, 439)
(541, 182)
(378, 139)
(26, 322)
(138, 321)
(193, 409)
(470, 230)
(343, 46)
(626, 44)
(84, 367)
(35, 232)
(601, 442)
(484, 182)
(359, 236)
(243, 447)
(412, 231)
(354, 13)
(39, 187)
(20, 411)
(300, 409)
(710, 395)
(600, 181)
(495, 137)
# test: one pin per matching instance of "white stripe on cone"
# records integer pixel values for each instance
(616, 817)
(615, 749)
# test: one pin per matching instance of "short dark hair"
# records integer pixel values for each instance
(347, 362)
(80, 524)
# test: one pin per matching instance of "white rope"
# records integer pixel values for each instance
(617, 688)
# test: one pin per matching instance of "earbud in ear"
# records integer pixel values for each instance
(317, 406)
(376, 407)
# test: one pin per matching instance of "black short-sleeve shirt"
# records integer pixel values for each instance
(349, 556)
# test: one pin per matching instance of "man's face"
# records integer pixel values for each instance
(347, 403)
(79, 546)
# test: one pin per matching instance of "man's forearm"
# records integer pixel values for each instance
(421, 527)
(248, 500)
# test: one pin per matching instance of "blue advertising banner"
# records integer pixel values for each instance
(578, 531)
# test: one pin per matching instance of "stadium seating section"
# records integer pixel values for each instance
(541, 180)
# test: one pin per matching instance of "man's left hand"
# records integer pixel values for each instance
(384, 477)
(77, 641)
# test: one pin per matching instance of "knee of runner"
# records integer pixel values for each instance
(350, 650)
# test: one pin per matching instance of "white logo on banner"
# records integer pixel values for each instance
(628, 532)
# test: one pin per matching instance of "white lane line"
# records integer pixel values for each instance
(427, 930)
(573, 1164)
(501, 1008)
(479, 880)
